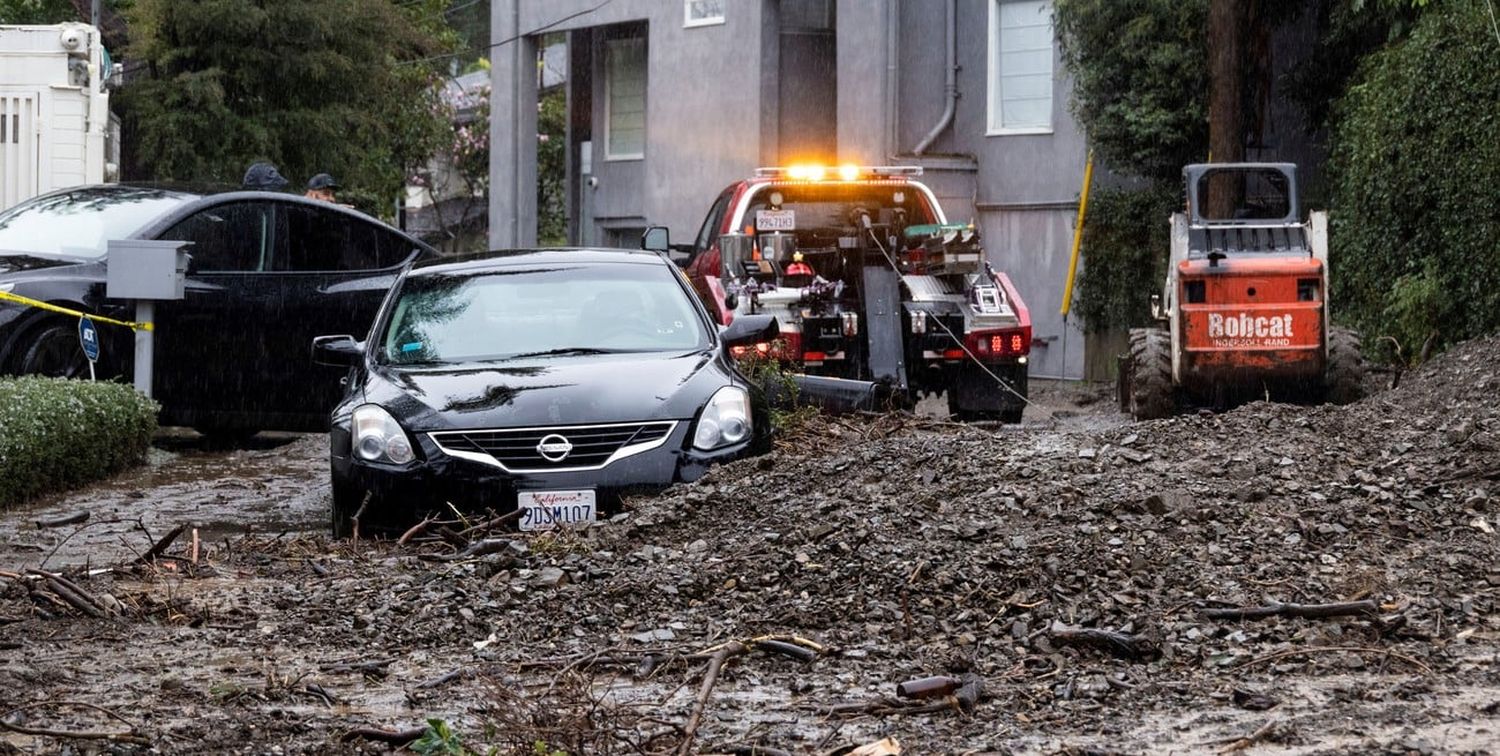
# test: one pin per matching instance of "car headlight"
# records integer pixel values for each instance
(379, 438)
(725, 421)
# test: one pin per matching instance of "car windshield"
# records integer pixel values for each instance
(819, 212)
(540, 312)
(79, 224)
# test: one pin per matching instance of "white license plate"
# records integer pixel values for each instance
(776, 220)
(545, 510)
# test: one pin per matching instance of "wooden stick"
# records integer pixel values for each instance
(501, 520)
(194, 552)
(1123, 645)
(444, 680)
(72, 594)
(1306, 611)
(57, 522)
(358, 513)
(389, 737)
(413, 531)
(161, 545)
(1331, 649)
(711, 676)
(130, 737)
(1253, 738)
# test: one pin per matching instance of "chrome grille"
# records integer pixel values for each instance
(517, 449)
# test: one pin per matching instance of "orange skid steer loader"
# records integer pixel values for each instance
(1244, 311)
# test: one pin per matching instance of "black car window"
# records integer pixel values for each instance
(711, 224)
(319, 239)
(231, 237)
(392, 248)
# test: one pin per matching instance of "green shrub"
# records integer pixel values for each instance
(1416, 162)
(1126, 241)
(56, 434)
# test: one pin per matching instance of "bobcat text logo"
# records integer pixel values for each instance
(1243, 326)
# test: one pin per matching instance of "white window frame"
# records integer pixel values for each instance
(615, 156)
(993, 112)
(689, 22)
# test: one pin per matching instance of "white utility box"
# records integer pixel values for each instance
(145, 269)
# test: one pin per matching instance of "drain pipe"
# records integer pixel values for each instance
(951, 83)
(892, 78)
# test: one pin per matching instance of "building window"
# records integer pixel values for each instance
(703, 12)
(1020, 75)
(625, 99)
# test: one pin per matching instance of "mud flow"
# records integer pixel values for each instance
(1274, 579)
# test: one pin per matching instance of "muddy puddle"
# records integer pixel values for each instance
(271, 484)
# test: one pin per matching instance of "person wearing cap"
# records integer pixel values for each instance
(321, 187)
(263, 177)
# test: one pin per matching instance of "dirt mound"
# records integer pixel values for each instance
(905, 547)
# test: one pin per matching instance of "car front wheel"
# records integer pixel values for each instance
(53, 351)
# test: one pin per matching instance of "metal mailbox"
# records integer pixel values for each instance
(142, 269)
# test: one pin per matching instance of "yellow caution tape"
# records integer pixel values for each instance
(6, 296)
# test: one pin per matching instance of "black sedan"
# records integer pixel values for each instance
(549, 381)
(269, 272)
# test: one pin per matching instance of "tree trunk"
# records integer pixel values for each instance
(1226, 132)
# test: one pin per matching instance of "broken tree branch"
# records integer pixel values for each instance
(1240, 744)
(58, 522)
(114, 737)
(710, 676)
(1305, 611)
(161, 545)
(1123, 645)
(395, 738)
(71, 593)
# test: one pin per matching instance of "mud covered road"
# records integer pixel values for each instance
(881, 549)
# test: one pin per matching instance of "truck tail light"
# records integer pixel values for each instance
(1006, 342)
(851, 324)
(787, 347)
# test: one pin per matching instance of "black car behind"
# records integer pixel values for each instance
(269, 272)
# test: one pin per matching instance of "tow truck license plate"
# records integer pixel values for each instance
(776, 220)
(545, 510)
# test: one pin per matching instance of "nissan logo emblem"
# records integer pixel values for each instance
(554, 448)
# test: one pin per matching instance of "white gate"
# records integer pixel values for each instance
(20, 148)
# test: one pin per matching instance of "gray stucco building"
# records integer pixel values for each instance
(672, 100)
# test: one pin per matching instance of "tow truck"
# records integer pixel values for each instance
(870, 284)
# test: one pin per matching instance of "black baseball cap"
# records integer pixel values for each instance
(322, 181)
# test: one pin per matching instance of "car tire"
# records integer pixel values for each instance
(344, 504)
(1151, 395)
(1344, 376)
(52, 350)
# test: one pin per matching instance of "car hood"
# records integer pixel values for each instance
(18, 262)
(573, 390)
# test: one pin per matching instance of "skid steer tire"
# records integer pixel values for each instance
(1343, 379)
(1151, 394)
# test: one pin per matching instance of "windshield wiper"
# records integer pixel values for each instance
(562, 351)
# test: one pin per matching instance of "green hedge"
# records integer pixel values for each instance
(1416, 184)
(1126, 241)
(56, 434)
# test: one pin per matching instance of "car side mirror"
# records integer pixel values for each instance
(337, 351)
(749, 329)
(657, 239)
